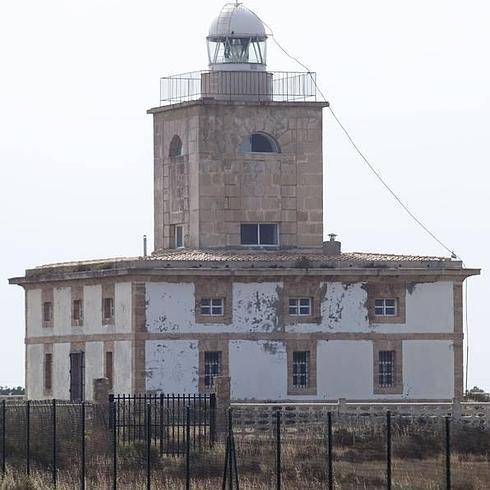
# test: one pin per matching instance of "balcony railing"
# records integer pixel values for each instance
(239, 85)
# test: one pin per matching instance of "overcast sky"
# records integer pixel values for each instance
(410, 79)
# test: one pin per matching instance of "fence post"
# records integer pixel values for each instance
(230, 436)
(82, 448)
(448, 453)
(278, 449)
(53, 410)
(329, 450)
(161, 424)
(188, 448)
(212, 418)
(4, 436)
(112, 407)
(148, 446)
(388, 450)
(28, 437)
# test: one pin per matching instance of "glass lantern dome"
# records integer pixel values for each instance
(237, 40)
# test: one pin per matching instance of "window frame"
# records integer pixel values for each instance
(259, 244)
(210, 364)
(301, 369)
(295, 306)
(47, 312)
(77, 318)
(381, 307)
(108, 307)
(386, 368)
(380, 387)
(293, 348)
(247, 144)
(212, 345)
(176, 143)
(213, 303)
(179, 229)
(377, 291)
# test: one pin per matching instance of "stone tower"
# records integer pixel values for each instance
(238, 149)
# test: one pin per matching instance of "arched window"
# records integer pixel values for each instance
(175, 147)
(259, 143)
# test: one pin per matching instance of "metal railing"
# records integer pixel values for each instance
(239, 85)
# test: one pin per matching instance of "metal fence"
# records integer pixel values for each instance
(239, 85)
(165, 417)
(81, 446)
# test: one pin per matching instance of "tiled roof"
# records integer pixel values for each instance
(244, 260)
(255, 257)
(283, 256)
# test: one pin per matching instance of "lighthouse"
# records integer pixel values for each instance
(241, 295)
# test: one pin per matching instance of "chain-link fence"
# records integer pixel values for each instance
(83, 445)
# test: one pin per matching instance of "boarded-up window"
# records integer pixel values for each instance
(47, 311)
(48, 372)
(77, 310)
(108, 308)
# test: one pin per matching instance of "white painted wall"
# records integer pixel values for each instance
(429, 308)
(258, 370)
(34, 313)
(345, 369)
(35, 371)
(123, 365)
(123, 307)
(94, 366)
(61, 371)
(92, 309)
(172, 366)
(170, 307)
(255, 306)
(428, 369)
(61, 311)
(345, 307)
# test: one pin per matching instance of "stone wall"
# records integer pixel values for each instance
(214, 186)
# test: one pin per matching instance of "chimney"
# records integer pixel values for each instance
(145, 248)
(332, 247)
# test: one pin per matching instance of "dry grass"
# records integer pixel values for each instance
(359, 460)
(303, 467)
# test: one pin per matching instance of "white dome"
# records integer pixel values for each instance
(235, 20)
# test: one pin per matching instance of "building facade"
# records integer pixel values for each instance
(241, 285)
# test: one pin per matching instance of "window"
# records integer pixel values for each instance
(386, 361)
(212, 367)
(212, 306)
(301, 369)
(47, 311)
(299, 306)
(385, 307)
(77, 310)
(259, 234)
(109, 368)
(48, 372)
(108, 308)
(259, 143)
(387, 367)
(179, 236)
(175, 149)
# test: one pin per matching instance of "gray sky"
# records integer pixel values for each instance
(409, 79)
